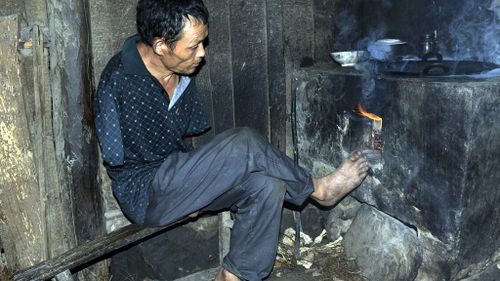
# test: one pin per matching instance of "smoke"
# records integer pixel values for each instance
(351, 26)
(349, 30)
(379, 51)
(367, 81)
(495, 7)
(467, 29)
(475, 32)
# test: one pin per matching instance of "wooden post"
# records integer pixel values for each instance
(20, 216)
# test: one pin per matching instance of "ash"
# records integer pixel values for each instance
(321, 260)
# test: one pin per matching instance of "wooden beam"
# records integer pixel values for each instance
(87, 253)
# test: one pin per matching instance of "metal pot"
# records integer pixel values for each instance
(387, 49)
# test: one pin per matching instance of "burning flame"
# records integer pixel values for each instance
(363, 112)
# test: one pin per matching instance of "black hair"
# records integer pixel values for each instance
(166, 18)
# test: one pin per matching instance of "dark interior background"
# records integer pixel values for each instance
(253, 45)
(463, 27)
(253, 48)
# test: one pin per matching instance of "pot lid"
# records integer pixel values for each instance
(390, 41)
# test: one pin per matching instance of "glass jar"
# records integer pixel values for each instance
(428, 44)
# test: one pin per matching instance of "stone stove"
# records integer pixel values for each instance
(438, 178)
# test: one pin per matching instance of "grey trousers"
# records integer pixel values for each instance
(239, 170)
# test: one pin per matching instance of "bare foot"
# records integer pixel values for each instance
(195, 214)
(329, 189)
(224, 275)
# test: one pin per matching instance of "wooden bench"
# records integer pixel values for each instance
(60, 266)
(95, 250)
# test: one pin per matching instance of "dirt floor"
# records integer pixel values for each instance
(327, 266)
(326, 262)
(329, 270)
(320, 260)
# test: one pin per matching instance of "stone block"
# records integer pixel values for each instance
(441, 148)
(384, 248)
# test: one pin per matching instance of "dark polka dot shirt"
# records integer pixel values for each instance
(138, 126)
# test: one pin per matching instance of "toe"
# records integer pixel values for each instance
(356, 155)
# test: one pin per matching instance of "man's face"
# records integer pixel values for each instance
(189, 51)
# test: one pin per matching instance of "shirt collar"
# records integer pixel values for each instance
(179, 90)
(133, 64)
(131, 59)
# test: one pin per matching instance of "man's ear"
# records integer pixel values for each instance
(159, 46)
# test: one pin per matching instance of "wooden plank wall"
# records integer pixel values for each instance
(111, 22)
(249, 64)
(251, 47)
(276, 73)
(55, 89)
(219, 57)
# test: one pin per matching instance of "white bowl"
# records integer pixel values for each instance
(348, 58)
